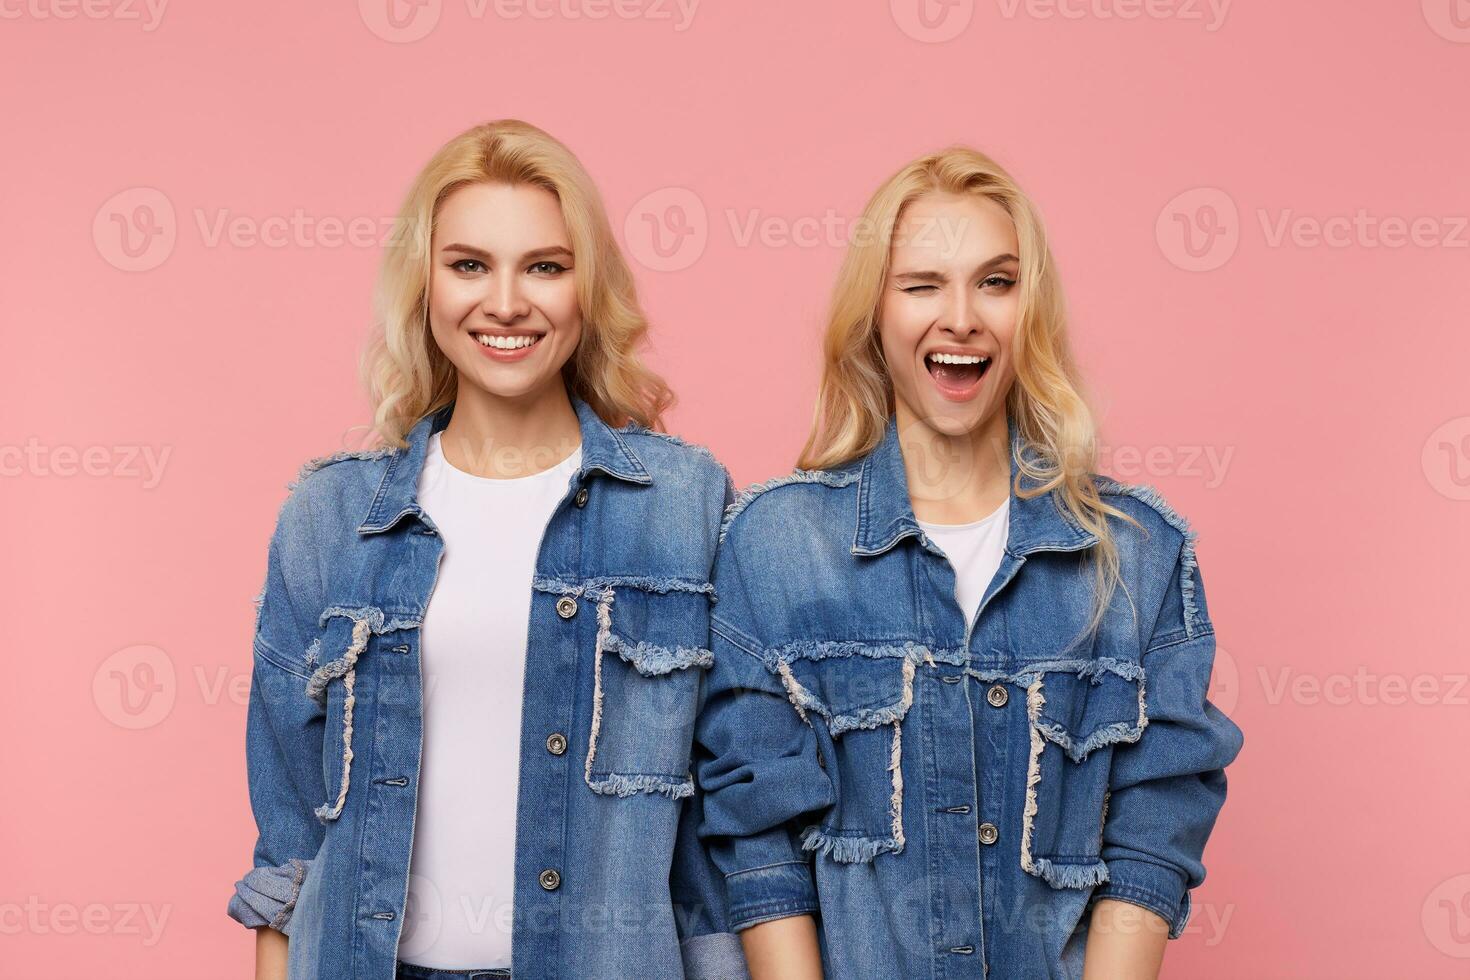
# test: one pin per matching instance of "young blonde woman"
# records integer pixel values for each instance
(480, 647)
(957, 722)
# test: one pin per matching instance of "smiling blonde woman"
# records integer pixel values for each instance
(480, 646)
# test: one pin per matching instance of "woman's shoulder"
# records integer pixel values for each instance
(337, 487)
(672, 456)
(1153, 517)
(802, 498)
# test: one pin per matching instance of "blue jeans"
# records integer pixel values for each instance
(407, 971)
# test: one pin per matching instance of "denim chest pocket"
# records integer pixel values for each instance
(1077, 713)
(350, 637)
(856, 696)
(649, 659)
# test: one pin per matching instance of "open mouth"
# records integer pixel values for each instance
(498, 342)
(957, 374)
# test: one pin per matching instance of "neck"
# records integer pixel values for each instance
(955, 479)
(503, 438)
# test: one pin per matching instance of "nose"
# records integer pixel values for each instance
(960, 317)
(504, 300)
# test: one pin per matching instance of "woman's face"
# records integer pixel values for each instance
(502, 288)
(948, 310)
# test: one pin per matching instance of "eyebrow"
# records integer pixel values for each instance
(480, 253)
(926, 275)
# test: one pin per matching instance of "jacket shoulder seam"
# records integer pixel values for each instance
(1188, 564)
(745, 497)
(321, 462)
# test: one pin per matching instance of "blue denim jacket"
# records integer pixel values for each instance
(950, 797)
(611, 879)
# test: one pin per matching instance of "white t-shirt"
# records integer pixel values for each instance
(462, 870)
(975, 550)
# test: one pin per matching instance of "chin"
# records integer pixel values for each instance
(951, 421)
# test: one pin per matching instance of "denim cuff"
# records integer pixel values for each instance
(714, 956)
(774, 891)
(267, 896)
(1154, 887)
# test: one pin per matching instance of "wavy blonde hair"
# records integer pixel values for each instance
(856, 396)
(405, 372)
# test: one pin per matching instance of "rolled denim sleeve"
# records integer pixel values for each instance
(758, 767)
(1166, 790)
(283, 735)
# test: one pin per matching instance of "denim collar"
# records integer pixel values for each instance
(603, 448)
(885, 516)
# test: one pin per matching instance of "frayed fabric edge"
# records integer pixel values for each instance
(1053, 873)
(1070, 875)
(621, 784)
(848, 850)
(1034, 702)
(854, 849)
(652, 660)
(1188, 564)
(312, 465)
(803, 699)
(597, 585)
(360, 631)
(618, 784)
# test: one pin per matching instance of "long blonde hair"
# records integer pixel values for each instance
(406, 374)
(1046, 403)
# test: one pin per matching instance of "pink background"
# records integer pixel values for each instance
(1300, 396)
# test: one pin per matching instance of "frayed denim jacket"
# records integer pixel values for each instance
(950, 800)
(611, 879)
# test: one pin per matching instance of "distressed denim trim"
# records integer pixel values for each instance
(648, 659)
(1187, 562)
(1056, 873)
(847, 848)
(598, 584)
(366, 620)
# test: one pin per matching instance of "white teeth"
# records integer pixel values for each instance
(958, 358)
(505, 343)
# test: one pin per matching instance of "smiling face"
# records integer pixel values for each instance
(502, 288)
(948, 311)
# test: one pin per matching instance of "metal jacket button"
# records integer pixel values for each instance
(988, 833)
(556, 743)
(550, 880)
(997, 695)
(581, 498)
(566, 607)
